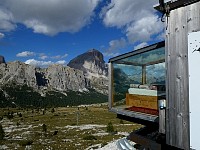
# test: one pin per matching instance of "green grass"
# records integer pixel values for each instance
(27, 130)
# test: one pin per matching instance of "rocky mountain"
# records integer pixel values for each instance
(18, 73)
(78, 83)
(26, 86)
(2, 60)
(91, 63)
(61, 78)
(55, 77)
(94, 68)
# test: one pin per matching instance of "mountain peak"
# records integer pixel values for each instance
(90, 62)
(93, 50)
(2, 60)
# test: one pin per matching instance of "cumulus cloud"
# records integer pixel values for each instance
(25, 54)
(137, 19)
(43, 57)
(44, 64)
(1, 35)
(61, 62)
(141, 45)
(6, 20)
(115, 46)
(161, 36)
(59, 56)
(48, 17)
(38, 63)
(111, 54)
(143, 29)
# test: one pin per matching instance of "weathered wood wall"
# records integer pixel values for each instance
(180, 22)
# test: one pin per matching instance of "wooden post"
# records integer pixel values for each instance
(144, 80)
(177, 114)
(110, 87)
(181, 21)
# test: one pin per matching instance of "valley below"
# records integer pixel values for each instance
(74, 128)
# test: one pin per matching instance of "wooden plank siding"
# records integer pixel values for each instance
(180, 22)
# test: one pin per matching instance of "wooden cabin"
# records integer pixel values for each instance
(158, 86)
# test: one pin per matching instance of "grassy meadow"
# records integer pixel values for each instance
(61, 128)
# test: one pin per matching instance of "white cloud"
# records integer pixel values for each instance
(6, 20)
(137, 19)
(143, 29)
(25, 54)
(59, 56)
(161, 36)
(111, 54)
(141, 45)
(38, 63)
(61, 62)
(115, 46)
(1, 35)
(43, 57)
(44, 64)
(48, 17)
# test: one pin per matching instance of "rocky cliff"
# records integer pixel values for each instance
(91, 63)
(18, 73)
(87, 71)
(94, 68)
(61, 78)
(55, 77)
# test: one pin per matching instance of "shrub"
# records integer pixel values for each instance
(20, 115)
(44, 128)
(89, 137)
(2, 133)
(110, 127)
(53, 110)
(25, 142)
(10, 116)
(18, 123)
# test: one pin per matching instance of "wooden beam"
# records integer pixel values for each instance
(175, 5)
(177, 83)
(144, 76)
(110, 87)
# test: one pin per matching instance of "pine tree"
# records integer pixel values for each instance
(2, 133)
(44, 128)
(110, 127)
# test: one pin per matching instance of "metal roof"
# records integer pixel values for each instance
(136, 52)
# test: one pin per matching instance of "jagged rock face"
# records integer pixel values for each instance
(65, 78)
(2, 60)
(91, 63)
(94, 68)
(99, 84)
(55, 77)
(17, 72)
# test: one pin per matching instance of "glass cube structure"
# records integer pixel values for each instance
(137, 82)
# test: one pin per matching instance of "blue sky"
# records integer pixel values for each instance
(43, 32)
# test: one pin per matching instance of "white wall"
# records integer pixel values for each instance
(194, 88)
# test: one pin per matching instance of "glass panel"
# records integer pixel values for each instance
(145, 58)
(124, 75)
(139, 81)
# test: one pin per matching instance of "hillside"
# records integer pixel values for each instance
(56, 85)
